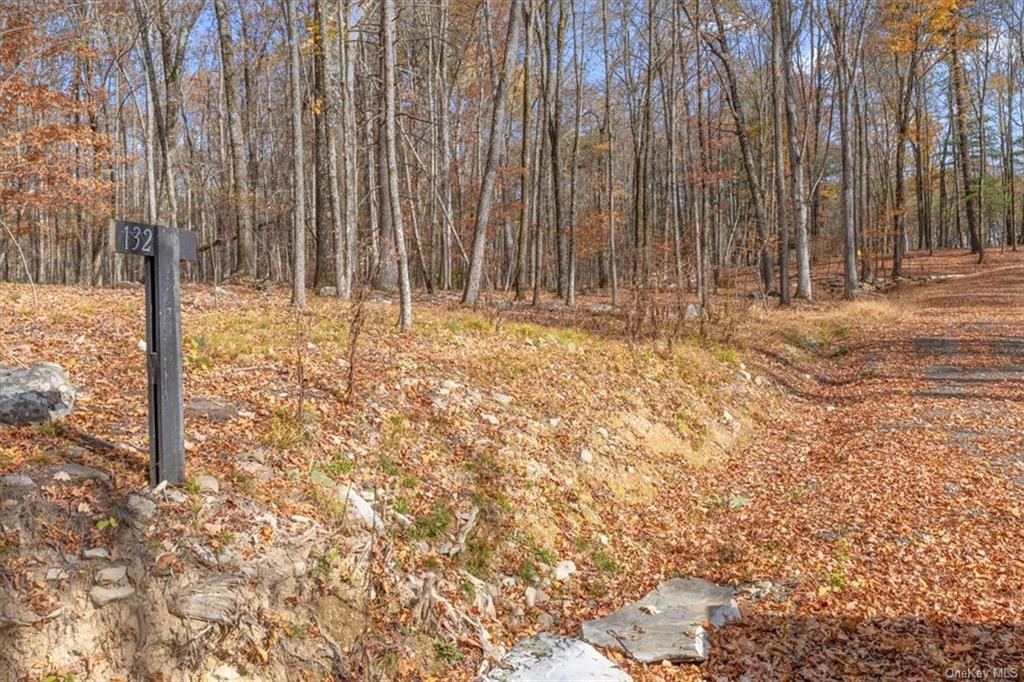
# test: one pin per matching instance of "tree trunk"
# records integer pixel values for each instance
(490, 170)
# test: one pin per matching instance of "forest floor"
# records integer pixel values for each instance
(855, 470)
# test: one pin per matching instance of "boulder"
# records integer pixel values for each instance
(556, 659)
(17, 481)
(667, 624)
(34, 395)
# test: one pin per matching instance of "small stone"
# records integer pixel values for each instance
(141, 345)
(490, 419)
(587, 456)
(759, 380)
(503, 399)
(603, 432)
(101, 596)
(175, 496)
(140, 507)
(95, 553)
(564, 568)
(56, 574)
(327, 291)
(111, 574)
(545, 620)
(449, 385)
(535, 597)
(207, 484)
(554, 422)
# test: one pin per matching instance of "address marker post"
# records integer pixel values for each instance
(163, 248)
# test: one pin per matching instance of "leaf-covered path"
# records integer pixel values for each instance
(886, 506)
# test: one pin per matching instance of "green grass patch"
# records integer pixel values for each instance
(434, 524)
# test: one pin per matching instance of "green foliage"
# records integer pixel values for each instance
(285, 431)
(104, 524)
(724, 355)
(469, 324)
(433, 524)
(447, 653)
(605, 562)
(49, 429)
(339, 464)
(322, 563)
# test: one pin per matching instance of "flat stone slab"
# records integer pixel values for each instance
(101, 596)
(215, 411)
(668, 623)
(554, 658)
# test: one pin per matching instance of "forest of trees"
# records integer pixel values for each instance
(536, 147)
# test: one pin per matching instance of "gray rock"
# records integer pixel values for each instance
(101, 596)
(17, 481)
(545, 621)
(211, 410)
(72, 470)
(34, 395)
(207, 484)
(327, 291)
(141, 508)
(95, 553)
(666, 625)
(214, 600)
(111, 574)
(554, 658)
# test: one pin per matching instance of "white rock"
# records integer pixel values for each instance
(359, 508)
(555, 658)
(564, 568)
(603, 432)
(142, 346)
(490, 419)
(95, 553)
(503, 398)
(587, 456)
